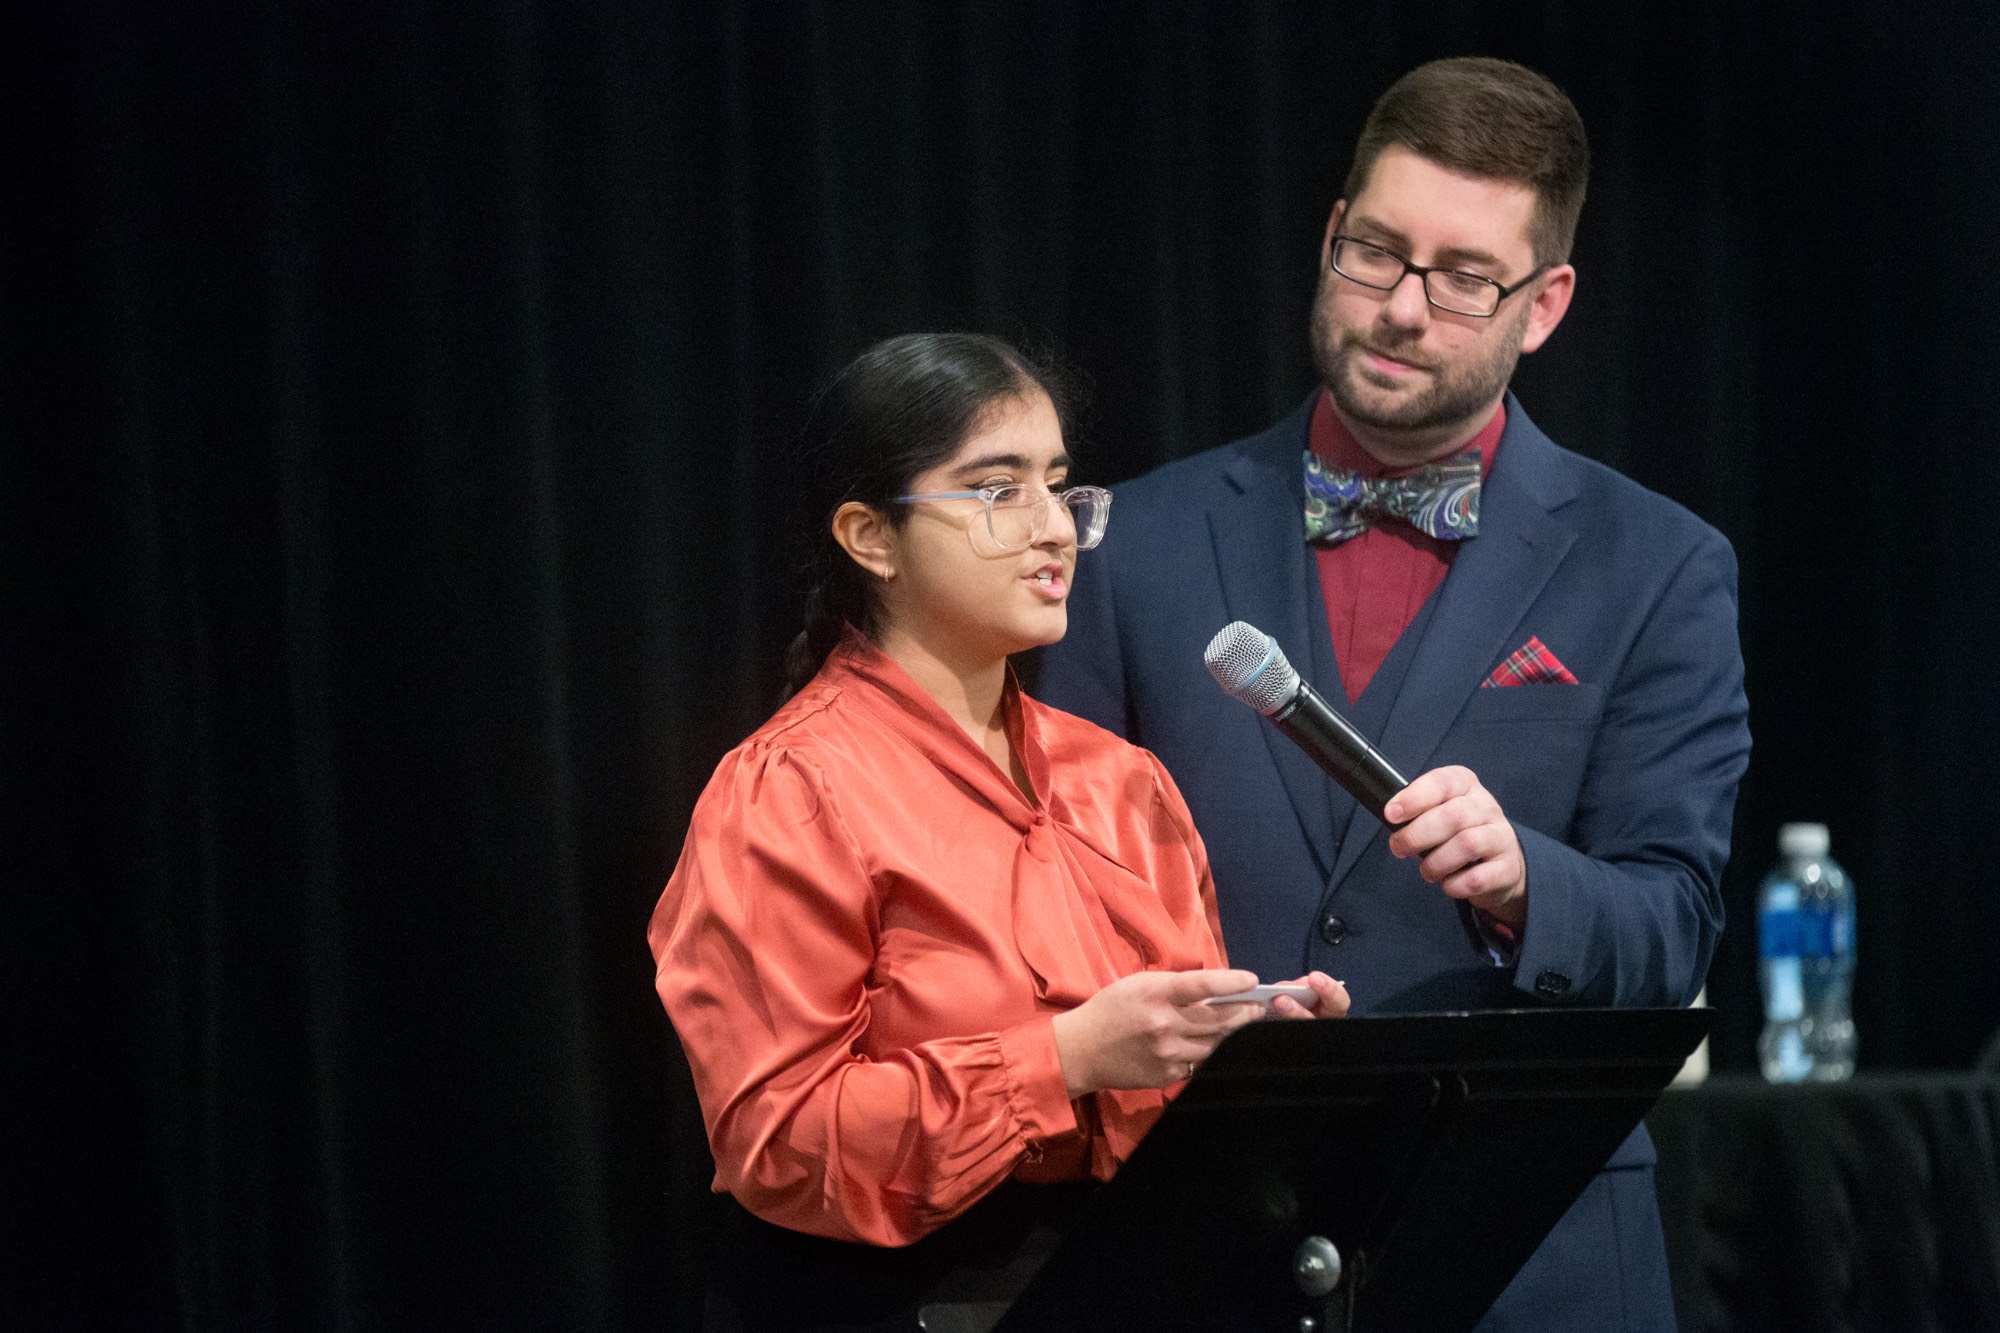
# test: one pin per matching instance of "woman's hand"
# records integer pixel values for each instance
(1329, 999)
(1150, 1029)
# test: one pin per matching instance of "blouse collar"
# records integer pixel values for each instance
(893, 696)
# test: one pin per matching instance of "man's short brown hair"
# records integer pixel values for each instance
(1488, 118)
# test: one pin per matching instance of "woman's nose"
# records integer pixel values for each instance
(1059, 526)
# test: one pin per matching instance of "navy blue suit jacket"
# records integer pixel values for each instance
(1621, 787)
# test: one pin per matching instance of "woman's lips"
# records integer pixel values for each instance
(1049, 582)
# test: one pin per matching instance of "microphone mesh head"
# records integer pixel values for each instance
(1248, 664)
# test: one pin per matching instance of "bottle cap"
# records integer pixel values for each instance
(1808, 841)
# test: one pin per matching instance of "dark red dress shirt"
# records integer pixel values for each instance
(1375, 584)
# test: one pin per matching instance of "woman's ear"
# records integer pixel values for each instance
(864, 533)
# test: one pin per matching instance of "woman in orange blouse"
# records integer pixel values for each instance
(927, 936)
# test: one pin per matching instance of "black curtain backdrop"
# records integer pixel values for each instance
(393, 485)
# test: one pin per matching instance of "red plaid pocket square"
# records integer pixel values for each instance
(1531, 664)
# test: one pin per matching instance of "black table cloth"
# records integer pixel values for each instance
(1868, 1205)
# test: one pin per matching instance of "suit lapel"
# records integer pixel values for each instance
(1494, 580)
(1257, 527)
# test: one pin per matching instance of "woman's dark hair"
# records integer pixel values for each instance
(899, 409)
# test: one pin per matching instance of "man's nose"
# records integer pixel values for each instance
(1407, 306)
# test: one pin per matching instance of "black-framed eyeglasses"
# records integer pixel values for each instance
(1016, 514)
(1450, 289)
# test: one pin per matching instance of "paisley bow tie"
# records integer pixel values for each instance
(1441, 499)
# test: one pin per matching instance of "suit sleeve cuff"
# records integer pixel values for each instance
(1546, 962)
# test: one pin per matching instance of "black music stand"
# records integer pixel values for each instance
(1398, 1169)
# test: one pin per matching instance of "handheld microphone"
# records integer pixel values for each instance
(1249, 666)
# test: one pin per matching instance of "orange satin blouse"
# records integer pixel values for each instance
(870, 928)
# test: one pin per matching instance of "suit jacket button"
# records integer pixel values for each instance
(1332, 929)
(1552, 984)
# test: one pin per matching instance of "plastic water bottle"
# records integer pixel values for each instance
(1805, 939)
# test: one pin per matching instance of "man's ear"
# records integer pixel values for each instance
(1551, 302)
(864, 533)
(1332, 226)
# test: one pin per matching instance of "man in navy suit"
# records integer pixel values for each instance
(1550, 646)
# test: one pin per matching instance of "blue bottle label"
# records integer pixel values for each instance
(1817, 931)
(1779, 932)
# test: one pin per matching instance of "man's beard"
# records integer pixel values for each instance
(1454, 395)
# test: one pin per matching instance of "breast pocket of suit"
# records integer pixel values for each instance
(1530, 745)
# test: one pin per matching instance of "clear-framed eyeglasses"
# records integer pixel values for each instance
(1450, 289)
(1017, 515)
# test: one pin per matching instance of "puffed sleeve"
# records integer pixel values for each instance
(765, 941)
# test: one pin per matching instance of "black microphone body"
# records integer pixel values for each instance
(1342, 751)
(1251, 668)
